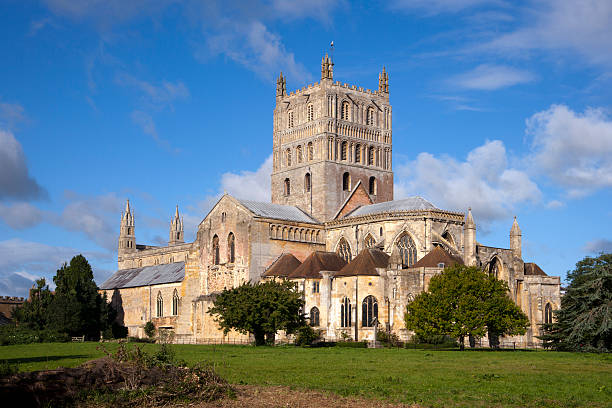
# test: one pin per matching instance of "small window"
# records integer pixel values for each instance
(441, 265)
(345, 312)
(290, 119)
(215, 250)
(160, 305)
(287, 187)
(358, 153)
(175, 303)
(298, 153)
(288, 155)
(371, 156)
(344, 151)
(307, 182)
(223, 217)
(310, 113)
(370, 117)
(344, 113)
(369, 311)
(314, 316)
(315, 287)
(372, 186)
(231, 248)
(310, 151)
(346, 181)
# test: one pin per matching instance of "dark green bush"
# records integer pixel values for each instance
(11, 334)
(306, 335)
(352, 344)
(149, 329)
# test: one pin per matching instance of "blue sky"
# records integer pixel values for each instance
(502, 106)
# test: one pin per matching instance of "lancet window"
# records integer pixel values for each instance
(345, 312)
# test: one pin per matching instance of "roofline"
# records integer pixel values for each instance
(347, 200)
(455, 216)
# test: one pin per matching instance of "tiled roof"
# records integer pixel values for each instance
(365, 263)
(407, 204)
(278, 211)
(283, 265)
(145, 276)
(437, 256)
(318, 261)
(533, 269)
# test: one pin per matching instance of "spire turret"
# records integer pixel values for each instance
(516, 239)
(383, 81)
(127, 235)
(469, 239)
(281, 86)
(177, 234)
(327, 68)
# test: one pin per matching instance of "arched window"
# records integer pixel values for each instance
(288, 155)
(371, 156)
(344, 113)
(298, 153)
(369, 242)
(307, 182)
(343, 150)
(369, 311)
(287, 187)
(215, 250)
(310, 113)
(175, 303)
(314, 316)
(407, 251)
(290, 117)
(310, 151)
(160, 305)
(494, 267)
(548, 314)
(344, 250)
(370, 117)
(346, 181)
(231, 248)
(345, 312)
(372, 185)
(358, 153)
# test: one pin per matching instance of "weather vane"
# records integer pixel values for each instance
(331, 47)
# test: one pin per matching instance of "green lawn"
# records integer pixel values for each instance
(431, 378)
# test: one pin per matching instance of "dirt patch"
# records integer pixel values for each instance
(281, 397)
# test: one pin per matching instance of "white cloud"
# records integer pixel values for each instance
(491, 77)
(484, 181)
(599, 245)
(554, 204)
(439, 6)
(249, 185)
(318, 9)
(21, 215)
(573, 149)
(155, 96)
(15, 179)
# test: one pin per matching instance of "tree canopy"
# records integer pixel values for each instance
(464, 301)
(584, 321)
(261, 309)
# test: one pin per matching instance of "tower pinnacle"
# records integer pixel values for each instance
(176, 229)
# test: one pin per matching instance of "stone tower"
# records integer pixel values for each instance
(177, 236)
(127, 237)
(515, 239)
(328, 136)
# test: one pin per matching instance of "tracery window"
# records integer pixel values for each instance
(371, 156)
(372, 185)
(369, 311)
(307, 182)
(231, 248)
(314, 316)
(358, 153)
(290, 119)
(346, 181)
(310, 151)
(370, 116)
(160, 305)
(370, 242)
(299, 154)
(344, 250)
(215, 250)
(407, 251)
(175, 303)
(287, 187)
(310, 113)
(548, 314)
(343, 150)
(344, 113)
(345, 312)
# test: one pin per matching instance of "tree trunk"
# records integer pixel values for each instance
(260, 338)
(461, 345)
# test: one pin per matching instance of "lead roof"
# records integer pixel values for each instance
(146, 276)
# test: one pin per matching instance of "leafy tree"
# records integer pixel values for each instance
(34, 312)
(464, 301)
(584, 321)
(261, 309)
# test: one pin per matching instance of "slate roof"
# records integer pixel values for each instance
(145, 276)
(365, 263)
(407, 204)
(318, 261)
(533, 269)
(278, 211)
(437, 256)
(283, 266)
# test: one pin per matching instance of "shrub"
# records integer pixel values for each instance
(11, 334)
(306, 335)
(7, 369)
(149, 329)
(352, 344)
(388, 339)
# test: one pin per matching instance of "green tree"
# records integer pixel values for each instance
(464, 301)
(261, 309)
(34, 312)
(584, 321)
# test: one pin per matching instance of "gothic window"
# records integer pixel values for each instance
(310, 151)
(407, 251)
(371, 156)
(291, 119)
(307, 185)
(215, 250)
(370, 117)
(493, 267)
(231, 248)
(548, 314)
(288, 155)
(315, 286)
(372, 185)
(344, 151)
(310, 113)
(314, 316)
(369, 311)
(175, 303)
(358, 153)
(346, 181)
(345, 312)
(298, 153)
(369, 241)
(344, 250)
(344, 113)
(287, 187)
(160, 305)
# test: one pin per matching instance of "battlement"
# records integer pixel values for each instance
(11, 299)
(310, 87)
(303, 89)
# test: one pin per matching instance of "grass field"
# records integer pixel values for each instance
(429, 378)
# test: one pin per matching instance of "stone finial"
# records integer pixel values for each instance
(327, 68)
(515, 230)
(383, 81)
(281, 86)
(469, 219)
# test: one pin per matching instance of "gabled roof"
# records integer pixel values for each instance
(437, 256)
(277, 211)
(350, 197)
(533, 269)
(282, 266)
(365, 263)
(408, 204)
(146, 276)
(318, 261)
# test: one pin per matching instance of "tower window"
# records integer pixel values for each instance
(287, 187)
(288, 155)
(310, 113)
(344, 113)
(346, 181)
(343, 150)
(371, 156)
(298, 153)
(307, 182)
(310, 151)
(358, 153)
(231, 248)
(372, 185)
(370, 116)
(290, 119)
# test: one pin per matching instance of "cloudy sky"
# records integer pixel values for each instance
(499, 105)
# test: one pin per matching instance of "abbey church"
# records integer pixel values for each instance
(332, 226)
